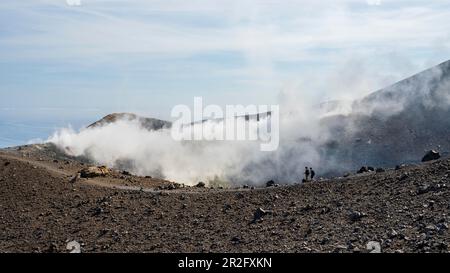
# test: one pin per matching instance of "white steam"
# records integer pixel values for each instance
(305, 139)
(126, 144)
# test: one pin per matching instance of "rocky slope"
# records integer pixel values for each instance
(393, 125)
(42, 208)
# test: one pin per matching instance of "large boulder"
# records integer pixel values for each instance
(94, 171)
(200, 185)
(270, 183)
(363, 169)
(431, 155)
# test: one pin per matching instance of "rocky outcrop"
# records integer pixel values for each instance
(91, 172)
(431, 155)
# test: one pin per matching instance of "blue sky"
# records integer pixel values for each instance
(66, 62)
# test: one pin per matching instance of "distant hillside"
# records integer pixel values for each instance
(393, 125)
(148, 123)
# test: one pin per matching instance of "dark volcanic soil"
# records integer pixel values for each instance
(41, 210)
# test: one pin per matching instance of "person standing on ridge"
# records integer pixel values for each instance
(306, 174)
(313, 173)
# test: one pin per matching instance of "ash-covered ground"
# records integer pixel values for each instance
(45, 204)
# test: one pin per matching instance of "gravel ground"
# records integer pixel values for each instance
(42, 208)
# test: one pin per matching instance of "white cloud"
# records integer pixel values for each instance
(373, 2)
(284, 31)
(266, 33)
(73, 3)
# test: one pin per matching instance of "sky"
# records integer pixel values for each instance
(73, 61)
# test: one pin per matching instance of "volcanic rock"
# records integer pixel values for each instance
(200, 185)
(365, 169)
(91, 172)
(431, 155)
(75, 178)
(374, 247)
(356, 216)
(259, 213)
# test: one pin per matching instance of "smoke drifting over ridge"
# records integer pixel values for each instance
(388, 127)
(126, 144)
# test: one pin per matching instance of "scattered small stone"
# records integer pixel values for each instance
(393, 234)
(366, 169)
(325, 241)
(239, 195)
(7, 163)
(356, 216)
(380, 170)
(73, 247)
(306, 208)
(97, 211)
(226, 207)
(340, 248)
(430, 228)
(235, 240)
(75, 178)
(423, 189)
(373, 247)
(442, 226)
(259, 214)
(53, 248)
(270, 183)
(171, 187)
(126, 173)
(325, 210)
(404, 176)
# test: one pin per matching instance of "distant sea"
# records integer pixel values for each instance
(25, 132)
(24, 129)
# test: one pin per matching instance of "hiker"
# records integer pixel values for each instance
(306, 173)
(313, 173)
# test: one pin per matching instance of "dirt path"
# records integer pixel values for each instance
(42, 164)
(107, 184)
